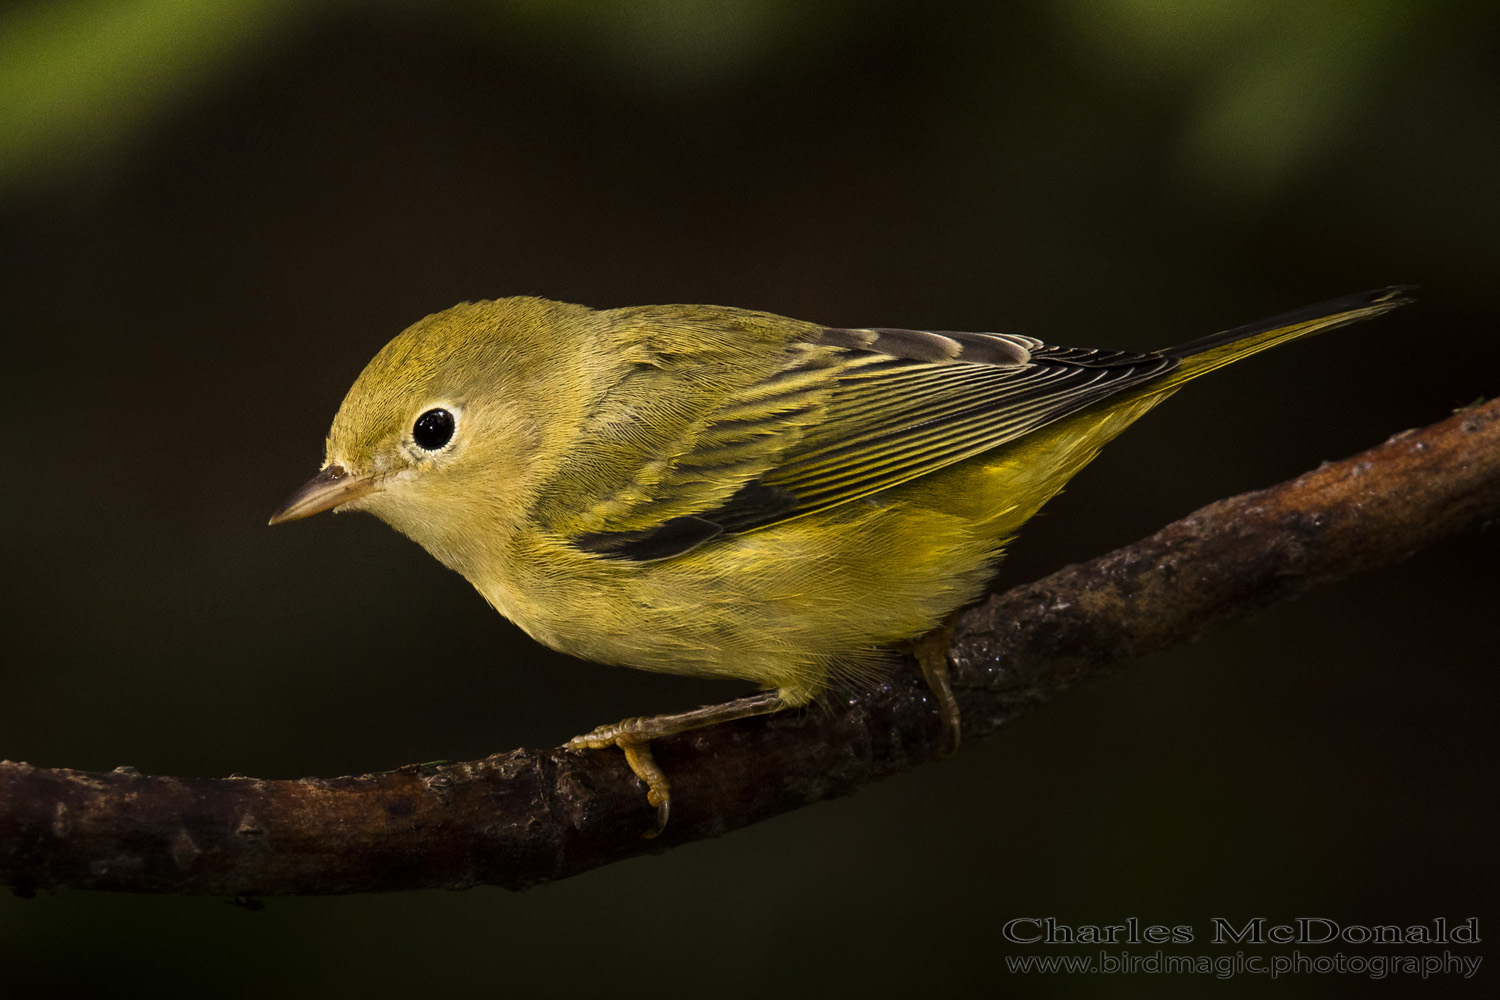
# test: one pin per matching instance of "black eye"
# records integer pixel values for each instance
(433, 429)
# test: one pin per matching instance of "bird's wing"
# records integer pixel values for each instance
(896, 418)
(855, 413)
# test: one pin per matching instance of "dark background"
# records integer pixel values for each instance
(211, 215)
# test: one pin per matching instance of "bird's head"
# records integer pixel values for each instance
(444, 434)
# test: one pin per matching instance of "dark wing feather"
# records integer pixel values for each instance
(892, 421)
(905, 403)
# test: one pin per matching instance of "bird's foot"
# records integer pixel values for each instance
(931, 653)
(634, 736)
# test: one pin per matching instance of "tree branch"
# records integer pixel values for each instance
(531, 816)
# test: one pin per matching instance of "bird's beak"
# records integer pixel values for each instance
(331, 488)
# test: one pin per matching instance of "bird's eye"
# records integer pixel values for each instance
(433, 429)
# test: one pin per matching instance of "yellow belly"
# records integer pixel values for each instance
(811, 601)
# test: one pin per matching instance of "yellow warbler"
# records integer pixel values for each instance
(726, 493)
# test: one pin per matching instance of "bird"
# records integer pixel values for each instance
(724, 492)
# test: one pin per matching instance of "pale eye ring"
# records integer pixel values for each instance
(433, 429)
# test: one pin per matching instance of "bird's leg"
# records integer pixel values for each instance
(634, 737)
(931, 653)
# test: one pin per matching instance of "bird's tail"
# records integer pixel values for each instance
(1219, 349)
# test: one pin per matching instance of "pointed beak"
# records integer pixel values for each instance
(331, 488)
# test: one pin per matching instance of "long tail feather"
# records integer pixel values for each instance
(1219, 349)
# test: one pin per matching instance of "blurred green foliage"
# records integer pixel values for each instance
(1273, 85)
(82, 79)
